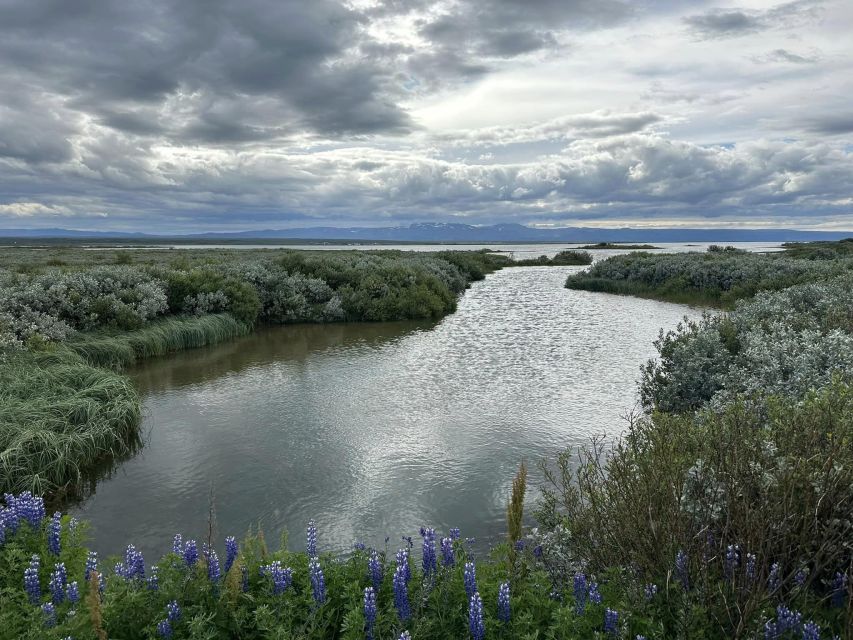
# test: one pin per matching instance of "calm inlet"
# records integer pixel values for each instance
(375, 429)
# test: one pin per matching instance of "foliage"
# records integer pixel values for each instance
(563, 258)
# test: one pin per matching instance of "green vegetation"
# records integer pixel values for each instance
(569, 257)
(617, 245)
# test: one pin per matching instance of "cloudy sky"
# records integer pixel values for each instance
(214, 114)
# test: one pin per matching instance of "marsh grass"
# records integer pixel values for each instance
(59, 418)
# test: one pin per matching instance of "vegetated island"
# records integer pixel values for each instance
(569, 257)
(618, 245)
(723, 512)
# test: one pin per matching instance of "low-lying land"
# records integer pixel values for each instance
(569, 257)
(616, 245)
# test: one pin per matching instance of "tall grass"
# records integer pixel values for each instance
(120, 350)
(59, 419)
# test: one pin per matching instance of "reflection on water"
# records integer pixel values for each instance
(375, 429)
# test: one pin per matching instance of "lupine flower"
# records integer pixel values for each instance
(732, 560)
(788, 620)
(318, 582)
(640, 637)
(173, 611)
(428, 560)
(24, 508)
(311, 535)
(213, 571)
(447, 557)
(244, 578)
(774, 579)
(91, 564)
(54, 530)
(73, 523)
(230, 552)
(164, 629)
(682, 572)
(801, 575)
(771, 630)
(153, 580)
(369, 611)
(504, 611)
(470, 577)
(750, 566)
(49, 612)
(476, 624)
(374, 570)
(190, 553)
(73, 593)
(282, 577)
(519, 545)
(120, 570)
(405, 636)
(403, 561)
(178, 544)
(839, 589)
(401, 594)
(57, 583)
(358, 545)
(537, 551)
(811, 631)
(611, 622)
(455, 533)
(134, 563)
(580, 589)
(650, 591)
(31, 580)
(3, 516)
(594, 593)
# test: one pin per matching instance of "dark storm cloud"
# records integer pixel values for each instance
(730, 23)
(832, 124)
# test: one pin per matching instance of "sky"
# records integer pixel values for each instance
(197, 115)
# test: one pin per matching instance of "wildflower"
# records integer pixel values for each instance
(774, 579)
(358, 545)
(318, 582)
(519, 545)
(801, 575)
(164, 629)
(374, 570)
(455, 534)
(504, 611)
(190, 553)
(447, 557)
(403, 561)
(732, 560)
(230, 552)
(53, 533)
(594, 593)
(91, 564)
(134, 563)
(311, 536)
(771, 630)
(178, 544)
(173, 611)
(469, 575)
(428, 558)
(811, 631)
(611, 622)
(682, 570)
(49, 612)
(213, 571)
(476, 624)
(788, 620)
(57, 583)
(401, 595)
(73, 523)
(750, 566)
(650, 591)
(31, 580)
(369, 611)
(537, 551)
(839, 588)
(153, 580)
(73, 593)
(282, 577)
(405, 636)
(580, 588)
(244, 578)
(640, 637)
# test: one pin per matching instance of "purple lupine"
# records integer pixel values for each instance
(91, 564)
(682, 570)
(403, 561)
(282, 576)
(134, 563)
(73, 593)
(811, 631)
(49, 613)
(369, 611)
(611, 622)
(594, 593)
(732, 560)
(519, 545)
(447, 557)
(213, 570)
(771, 630)
(190, 553)
(469, 575)
(774, 579)
(318, 582)
(244, 578)
(455, 533)
(839, 589)
(428, 561)
(24, 507)
(750, 566)
(164, 629)
(476, 623)
(358, 545)
(173, 611)
(504, 611)
(650, 591)
(154, 579)
(311, 536)
(230, 552)
(580, 589)
(788, 620)
(58, 578)
(640, 637)
(537, 551)
(31, 580)
(54, 531)
(405, 636)
(401, 594)
(178, 544)
(3, 516)
(801, 575)
(374, 570)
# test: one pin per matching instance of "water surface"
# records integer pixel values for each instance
(375, 429)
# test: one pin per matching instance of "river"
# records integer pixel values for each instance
(376, 429)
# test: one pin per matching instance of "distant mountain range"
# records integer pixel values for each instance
(446, 233)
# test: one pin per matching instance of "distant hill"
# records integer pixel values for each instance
(449, 233)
